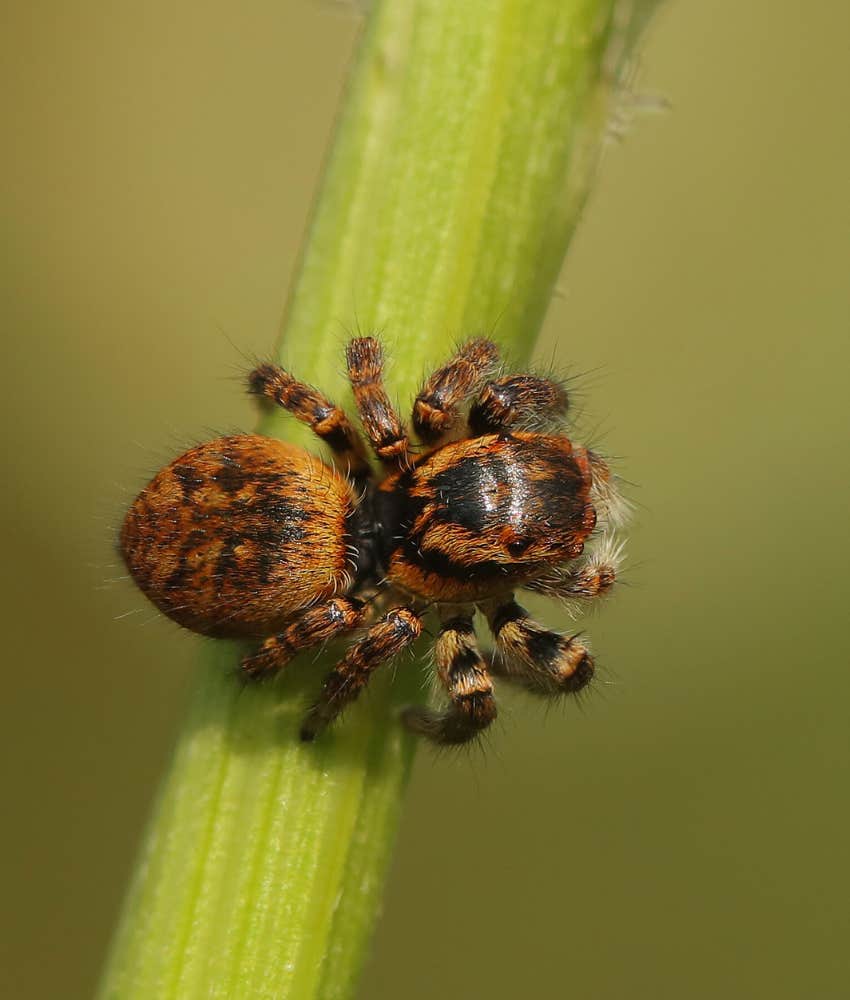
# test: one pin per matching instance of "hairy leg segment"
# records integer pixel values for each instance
(437, 406)
(311, 628)
(382, 424)
(324, 418)
(541, 661)
(462, 672)
(385, 639)
(517, 401)
(592, 576)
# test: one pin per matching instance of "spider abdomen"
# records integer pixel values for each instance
(239, 533)
(476, 517)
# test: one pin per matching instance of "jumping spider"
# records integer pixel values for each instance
(248, 536)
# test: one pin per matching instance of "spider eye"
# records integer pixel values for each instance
(518, 546)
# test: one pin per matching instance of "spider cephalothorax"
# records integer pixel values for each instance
(247, 536)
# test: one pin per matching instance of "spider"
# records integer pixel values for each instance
(246, 536)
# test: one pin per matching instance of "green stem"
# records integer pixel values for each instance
(461, 161)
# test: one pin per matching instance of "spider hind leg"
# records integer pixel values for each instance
(385, 639)
(311, 628)
(327, 421)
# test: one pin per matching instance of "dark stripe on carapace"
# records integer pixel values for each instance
(467, 492)
(438, 563)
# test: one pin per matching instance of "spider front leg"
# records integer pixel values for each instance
(592, 576)
(392, 634)
(326, 420)
(437, 406)
(517, 400)
(542, 661)
(313, 627)
(380, 420)
(463, 674)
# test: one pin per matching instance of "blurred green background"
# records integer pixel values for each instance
(683, 836)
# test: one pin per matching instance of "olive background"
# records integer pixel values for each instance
(685, 834)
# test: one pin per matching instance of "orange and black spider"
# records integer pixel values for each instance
(247, 536)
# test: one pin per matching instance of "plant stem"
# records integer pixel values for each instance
(461, 161)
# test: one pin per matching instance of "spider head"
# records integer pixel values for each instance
(485, 514)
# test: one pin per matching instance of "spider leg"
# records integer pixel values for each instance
(463, 674)
(517, 400)
(380, 420)
(435, 411)
(324, 418)
(542, 661)
(592, 576)
(387, 637)
(311, 628)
